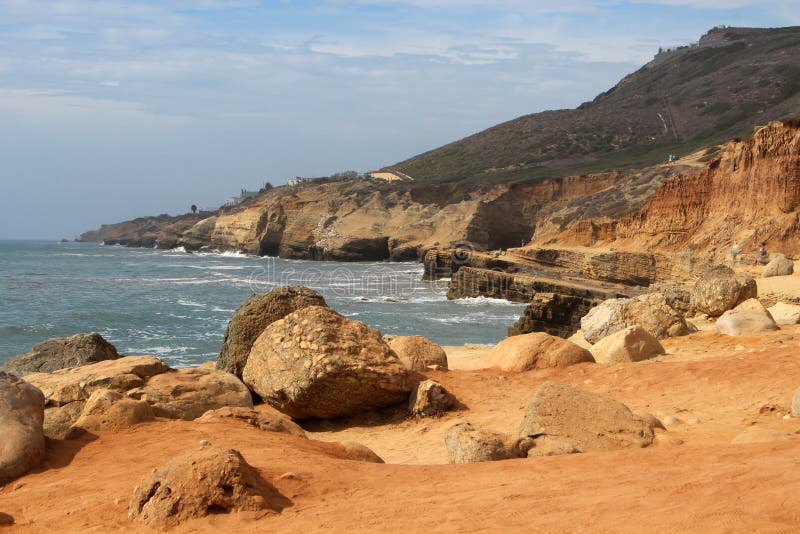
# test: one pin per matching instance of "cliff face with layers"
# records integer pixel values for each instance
(749, 193)
(362, 220)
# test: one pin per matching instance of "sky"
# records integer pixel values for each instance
(111, 110)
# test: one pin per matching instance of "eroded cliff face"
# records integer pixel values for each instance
(362, 220)
(749, 193)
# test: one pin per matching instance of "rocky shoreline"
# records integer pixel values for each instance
(292, 367)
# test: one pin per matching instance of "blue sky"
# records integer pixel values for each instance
(116, 109)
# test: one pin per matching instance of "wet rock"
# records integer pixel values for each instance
(584, 420)
(22, 445)
(633, 344)
(721, 289)
(749, 317)
(202, 481)
(253, 316)
(553, 313)
(62, 353)
(536, 351)
(317, 363)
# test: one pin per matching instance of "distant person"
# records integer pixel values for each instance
(761, 256)
(735, 251)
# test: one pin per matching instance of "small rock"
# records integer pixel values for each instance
(779, 265)
(202, 481)
(633, 344)
(467, 444)
(430, 398)
(536, 351)
(749, 317)
(418, 353)
(785, 313)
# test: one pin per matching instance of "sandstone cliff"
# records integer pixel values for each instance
(363, 220)
(750, 192)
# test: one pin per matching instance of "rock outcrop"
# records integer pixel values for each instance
(22, 445)
(749, 317)
(467, 444)
(110, 410)
(203, 481)
(633, 344)
(189, 393)
(67, 390)
(553, 313)
(650, 311)
(583, 420)
(317, 363)
(779, 265)
(418, 353)
(536, 351)
(181, 394)
(722, 289)
(430, 398)
(61, 353)
(253, 316)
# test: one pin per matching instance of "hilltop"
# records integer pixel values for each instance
(694, 96)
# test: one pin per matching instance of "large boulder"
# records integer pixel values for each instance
(430, 398)
(317, 363)
(651, 312)
(189, 393)
(254, 315)
(633, 344)
(785, 313)
(269, 420)
(67, 390)
(62, 353)
(749, 317)
(418, 353)
(536, 351)
(583, 420)
(467, 444)
(199, 482)
(779, 265)
(21, 431)
(722, 289)
(110, 410)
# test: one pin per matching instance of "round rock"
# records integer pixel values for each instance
(317, 363)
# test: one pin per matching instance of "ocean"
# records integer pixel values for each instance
(176, 305)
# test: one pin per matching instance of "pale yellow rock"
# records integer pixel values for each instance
(633, 344)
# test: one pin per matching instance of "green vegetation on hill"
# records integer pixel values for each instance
(731, 81)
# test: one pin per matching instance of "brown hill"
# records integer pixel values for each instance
(730, 81)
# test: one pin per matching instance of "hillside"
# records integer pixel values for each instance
(695, 96)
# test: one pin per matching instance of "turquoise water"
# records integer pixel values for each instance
(176, 305)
